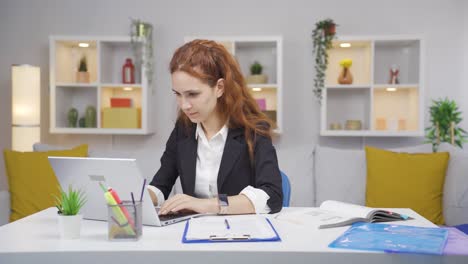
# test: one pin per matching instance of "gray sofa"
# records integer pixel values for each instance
(341, 175)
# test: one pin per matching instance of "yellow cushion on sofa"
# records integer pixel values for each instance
(407, 180)
(32, 181)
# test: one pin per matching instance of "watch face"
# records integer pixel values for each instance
(223, 200)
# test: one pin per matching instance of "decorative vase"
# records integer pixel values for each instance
(72, 117)
(128, 72)
(90, 116)
(69, 226)
(345, 76)
(82, 122)
(257, 78)
(82, 77)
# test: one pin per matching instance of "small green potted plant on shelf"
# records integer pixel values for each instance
(322, 36)
(82, 76)
(69, 205)
(445, 118)
(256, 75)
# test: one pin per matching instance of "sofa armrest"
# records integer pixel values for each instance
(4, 207)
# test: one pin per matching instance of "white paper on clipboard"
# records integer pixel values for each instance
(237, 227)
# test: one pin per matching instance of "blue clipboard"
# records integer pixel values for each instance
(230, 239)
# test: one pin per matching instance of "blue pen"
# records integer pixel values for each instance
(227, 224)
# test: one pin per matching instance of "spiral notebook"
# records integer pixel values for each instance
(238, 228)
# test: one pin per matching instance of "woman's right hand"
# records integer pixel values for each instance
(153, 196)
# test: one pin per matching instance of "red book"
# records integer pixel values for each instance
(121, 102)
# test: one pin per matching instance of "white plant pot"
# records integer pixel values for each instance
(69, 226)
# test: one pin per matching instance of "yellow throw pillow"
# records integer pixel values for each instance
(32, 181)
(404, 180)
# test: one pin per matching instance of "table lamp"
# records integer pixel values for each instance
(26, 106)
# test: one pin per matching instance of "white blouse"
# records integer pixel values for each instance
(209, 154)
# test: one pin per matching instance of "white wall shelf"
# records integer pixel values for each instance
(105, 57)
(384, 109)
(268, 51)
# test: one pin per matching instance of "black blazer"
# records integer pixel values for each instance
(235, 172)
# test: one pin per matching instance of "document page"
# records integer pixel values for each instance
(241, 226)
(348, 209)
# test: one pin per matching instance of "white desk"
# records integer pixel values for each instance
(35, 239)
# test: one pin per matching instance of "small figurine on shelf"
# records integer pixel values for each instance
(72, 117)
(394, 71)
(345, 76)
(82, 122)
(128, 72)
(82, 76)
(90, 116)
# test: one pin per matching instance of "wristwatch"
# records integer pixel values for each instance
(223, 204)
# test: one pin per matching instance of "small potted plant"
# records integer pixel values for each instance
(322, 36)
(82, 76)
(445, 118)
(256, 74)
(69, 205)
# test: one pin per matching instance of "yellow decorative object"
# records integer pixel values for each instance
(346, 63)
(404, 180)
(31, 179)
(121, 117)
(345, 76)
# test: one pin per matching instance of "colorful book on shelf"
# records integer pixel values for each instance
(120, 102)
(261, 102)
(335, 214)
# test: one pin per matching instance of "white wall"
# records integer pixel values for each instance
(464, 75)
(26, 25)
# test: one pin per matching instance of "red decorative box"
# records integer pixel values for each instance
(121, 102)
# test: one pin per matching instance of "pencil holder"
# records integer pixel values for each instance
(125, 221)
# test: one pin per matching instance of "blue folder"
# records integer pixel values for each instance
(392, 238)
(234, 238)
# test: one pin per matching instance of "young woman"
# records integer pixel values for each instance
(221, 144)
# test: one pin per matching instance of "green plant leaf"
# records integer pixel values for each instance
(70, 203)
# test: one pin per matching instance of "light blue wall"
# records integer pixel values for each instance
(26, 25)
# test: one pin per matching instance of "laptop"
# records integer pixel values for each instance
(123, 175)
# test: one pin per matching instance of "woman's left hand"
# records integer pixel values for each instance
(182, 202)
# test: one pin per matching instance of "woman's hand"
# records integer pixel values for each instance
(183, 202)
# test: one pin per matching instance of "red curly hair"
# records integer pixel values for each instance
(209, 61)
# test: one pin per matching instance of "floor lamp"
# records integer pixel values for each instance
(26, 106)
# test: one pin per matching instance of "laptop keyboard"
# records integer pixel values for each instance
(172, 216)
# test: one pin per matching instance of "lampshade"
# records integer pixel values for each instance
(26, 106)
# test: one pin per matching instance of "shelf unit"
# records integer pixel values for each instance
(383, 109)
(105, 58)
(268, 50)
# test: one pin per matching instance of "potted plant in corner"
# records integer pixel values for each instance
(256, 75)
(82, 76)
(69, 205)
(445, 118)
(322, 36)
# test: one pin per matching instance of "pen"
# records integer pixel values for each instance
(102, 187)
(227, 224)
(133, 199)
(142, 190)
